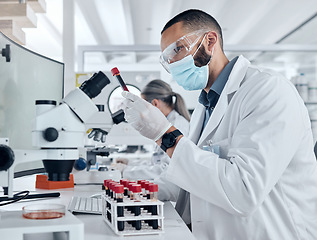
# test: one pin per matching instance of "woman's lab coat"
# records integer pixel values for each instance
(160, 161)
(263, 186)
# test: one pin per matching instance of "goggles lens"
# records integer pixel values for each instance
(180, 48)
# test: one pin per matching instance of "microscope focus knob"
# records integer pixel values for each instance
(80, 164)
(50, 134)
(6, 157)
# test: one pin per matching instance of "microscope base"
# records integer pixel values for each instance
(43, 183)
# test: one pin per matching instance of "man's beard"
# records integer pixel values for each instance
(202, 58)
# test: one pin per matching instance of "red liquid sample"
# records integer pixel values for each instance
(115, 72)
(43, 215)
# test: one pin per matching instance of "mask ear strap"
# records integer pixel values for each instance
(212, 53)
(199, 45)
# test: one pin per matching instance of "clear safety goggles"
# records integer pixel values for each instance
(180, 48)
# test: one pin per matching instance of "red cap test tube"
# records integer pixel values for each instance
(115, 72)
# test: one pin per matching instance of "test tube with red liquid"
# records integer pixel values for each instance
(153, 189)
(137, 209)
(119, 189)
(115, 72)
(125, 182)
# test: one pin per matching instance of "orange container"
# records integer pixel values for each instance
(43, 183)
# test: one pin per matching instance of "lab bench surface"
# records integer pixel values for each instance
(94, 226)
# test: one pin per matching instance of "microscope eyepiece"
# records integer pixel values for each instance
(95, 84)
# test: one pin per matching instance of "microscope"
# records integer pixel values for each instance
(57, 134)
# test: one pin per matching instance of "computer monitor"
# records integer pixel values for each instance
(27, 77)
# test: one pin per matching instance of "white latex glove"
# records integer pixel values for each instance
(144, 117)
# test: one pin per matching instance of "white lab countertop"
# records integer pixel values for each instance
(94, 226)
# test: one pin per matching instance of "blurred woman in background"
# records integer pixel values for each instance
(172, 105)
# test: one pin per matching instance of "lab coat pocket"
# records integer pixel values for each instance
(218, 147)
(212, 148)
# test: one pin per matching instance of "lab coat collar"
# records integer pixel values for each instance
(234, 82)
(196, 123)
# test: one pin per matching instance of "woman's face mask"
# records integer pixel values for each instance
(188, 75)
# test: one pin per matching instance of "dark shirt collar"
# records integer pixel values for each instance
(210, 100)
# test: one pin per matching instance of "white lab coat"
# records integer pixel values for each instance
(157, 170)
(263, 186)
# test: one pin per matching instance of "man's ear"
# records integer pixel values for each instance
(212, 38)
(155, 102)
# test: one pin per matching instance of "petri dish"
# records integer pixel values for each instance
(43, 211)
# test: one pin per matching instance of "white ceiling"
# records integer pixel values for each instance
(135, 22)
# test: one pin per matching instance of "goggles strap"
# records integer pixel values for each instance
(199, 45)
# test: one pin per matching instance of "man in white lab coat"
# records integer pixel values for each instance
(248, 162)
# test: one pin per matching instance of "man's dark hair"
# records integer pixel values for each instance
(194, 19)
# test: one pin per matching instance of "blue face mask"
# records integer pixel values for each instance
(188, 75)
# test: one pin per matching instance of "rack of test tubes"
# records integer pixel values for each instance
(132, 208)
